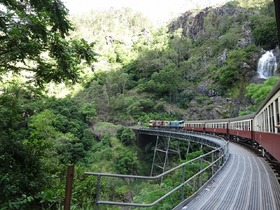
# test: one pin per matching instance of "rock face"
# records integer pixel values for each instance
(193, 25)
(227, 23)
(248, 37)
(221, 59)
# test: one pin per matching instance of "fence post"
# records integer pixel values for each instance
(97, 191)
(69, 185)
(212, 167)
(200, 175)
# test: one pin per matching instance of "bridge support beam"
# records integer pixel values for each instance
(165, 147)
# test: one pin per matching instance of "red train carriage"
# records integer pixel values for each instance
(266, 124)
(242, 126)
(194, 125)
(217, 126)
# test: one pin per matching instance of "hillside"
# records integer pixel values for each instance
(201, 63)
(65, 100)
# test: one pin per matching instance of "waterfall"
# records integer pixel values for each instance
(267, 65)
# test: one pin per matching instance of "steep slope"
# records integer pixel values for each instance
(201, 63)
(226, 52)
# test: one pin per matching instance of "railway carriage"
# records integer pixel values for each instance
(242, 126)
(266, 123)
(158, 123)
(217, 126)
(194, 126)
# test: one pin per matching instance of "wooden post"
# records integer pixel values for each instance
(69, 186)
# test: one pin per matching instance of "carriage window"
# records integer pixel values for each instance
(271, 118)
(277, 107)
(262, 121)
(265, 120)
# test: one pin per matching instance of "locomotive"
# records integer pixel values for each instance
(261, 128)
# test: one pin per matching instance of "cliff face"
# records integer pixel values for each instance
(195, 25)
(192, 25)
(223, 37)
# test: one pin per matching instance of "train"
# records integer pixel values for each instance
(261, 128)
(163, 123)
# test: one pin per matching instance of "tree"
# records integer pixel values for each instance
(127, 163)
(264, 31)
(88, 111)
(258, 92)
(126, 136)
(232, 75)
(166, 81)
(33, 39)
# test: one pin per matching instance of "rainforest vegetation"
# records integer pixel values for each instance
(72, 87)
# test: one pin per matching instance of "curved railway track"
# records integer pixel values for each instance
(246, 182)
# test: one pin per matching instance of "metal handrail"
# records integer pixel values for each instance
(223, 156)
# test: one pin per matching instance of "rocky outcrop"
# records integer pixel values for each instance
(191, 25)
(221, 59)
(247, 36)
(194, 24)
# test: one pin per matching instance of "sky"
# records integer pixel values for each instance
(155, 10)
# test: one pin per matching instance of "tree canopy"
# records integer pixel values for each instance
(33, 38)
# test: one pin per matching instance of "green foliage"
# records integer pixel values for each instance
(194, 154)
(139, 107)
(264, 31)
(215, 25)
(258, 92)
(165, 82)
(88, 138)
(253, 3)
(230, 38)
(36, 141)
(33, 39)
(40, 135)
(21, 174)
(88, 111)
(230, 76)
(105, 129)
(151, 193)
(126, 136)
(84, 189)
(127, 162)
